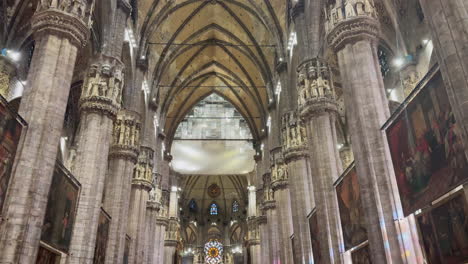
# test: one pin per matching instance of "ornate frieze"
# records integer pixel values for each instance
(153, 205)
(293, 137)
(253, 233)
(172, 232)
(279, 176)
(102, 89)
(351, 20)
(69, 18)
(315, 88)
(143, 172)
(126, 135)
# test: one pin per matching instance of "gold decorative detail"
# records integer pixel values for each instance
(81, 9)
(315, 88)
(102, 91)
(126, 135)
(294, 137)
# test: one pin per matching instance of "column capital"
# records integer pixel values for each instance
(269, 205)
(102, 89)
(70, 19)
(143, 172)
(153, 205)
(316, 94)
(294, 137)
(126, 136)
(279, 176)
(357, 22)
(163, 221)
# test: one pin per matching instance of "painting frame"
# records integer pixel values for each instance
(47, 255)
(62, 202)
(351, 211)
(11, 143)
(425, 145)
(102, 237)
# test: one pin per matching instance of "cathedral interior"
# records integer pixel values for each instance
(234, 131)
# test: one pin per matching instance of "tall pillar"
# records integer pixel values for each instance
(141, 186)
(59, 33)
(163, 223)
(122, 158)
(171, 241)
(280, 187)
(448, 21)
(253, 240)
(270, 234)
(319, 111)
(354, 36)
(296, 158)
(99, 103)
(152, 231)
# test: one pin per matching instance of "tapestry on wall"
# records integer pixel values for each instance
(450, 221)
(45, 256)
(351, 212)
(428, 237)
(11, 126)
(314, 237)
(61, 209)
(426, 148)
(101, 238)
(361, 255)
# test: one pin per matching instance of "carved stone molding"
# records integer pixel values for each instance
(102, 89)
(294, 138)
(279, 176)
(269, 205)
(126, 136)
(143, 172)
(163, 221)
(316, 93)
(172, 231)
(350, 21)
(71, 19)
(153, 205)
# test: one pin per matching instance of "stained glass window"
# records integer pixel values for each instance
(213, 252)
(192, 206)
(383, 61)
(213, 209)
(235, 206)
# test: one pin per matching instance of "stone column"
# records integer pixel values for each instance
(99, 103)
(354, 35)
(319, 111)
(122, 158)
(296, 158)
(448, 21)
(253, 240)
(280, 187)
(58, 32)
(152, 231)
(161, 226)
(171, 241)
(270, 234)
(141, 186)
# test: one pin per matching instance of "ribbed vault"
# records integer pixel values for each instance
(199, 47)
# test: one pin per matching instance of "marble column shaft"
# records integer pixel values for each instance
(448, 21)
(273, 229)
(58, 36)
(152, 231)
(264, 236)
(319, 112)
(122, 158)
(355, 39)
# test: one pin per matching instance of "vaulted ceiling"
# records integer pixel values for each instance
(199, 47)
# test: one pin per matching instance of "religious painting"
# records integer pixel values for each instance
(426, 148)
(351, 211)
(46, 256)
(450, 221)
(428, 237)
(61, 209)
(101, 238)
(126, 249)
(11, 126)
(314, 237)
(361, 255)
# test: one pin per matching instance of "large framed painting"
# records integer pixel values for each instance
(361, 255)
(450, 221)
(46, 256)
(428, 237)
(426, 149)
(61, 209)
(314, 237)
(101, 238)
(351, 212)
(11, 126)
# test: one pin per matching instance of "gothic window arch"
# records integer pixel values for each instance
(192, 206)
(235, 206)
(214, 209)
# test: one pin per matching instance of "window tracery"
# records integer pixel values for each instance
(213, 209)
